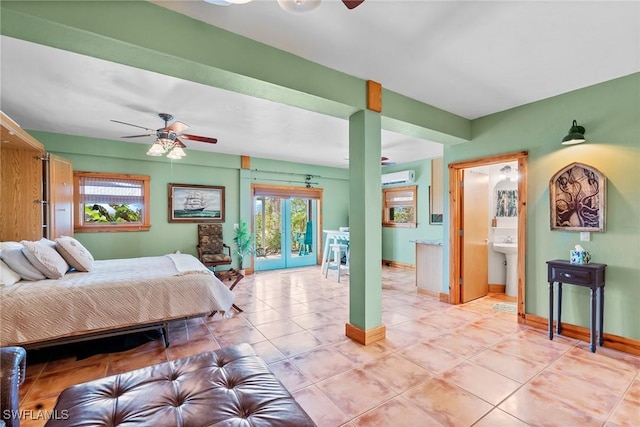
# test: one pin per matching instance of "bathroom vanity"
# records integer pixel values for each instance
(429, 266)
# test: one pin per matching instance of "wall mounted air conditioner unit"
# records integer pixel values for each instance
(400, 177)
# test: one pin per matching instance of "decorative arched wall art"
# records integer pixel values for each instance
(578, 198)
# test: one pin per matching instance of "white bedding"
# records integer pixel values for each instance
(114, 294)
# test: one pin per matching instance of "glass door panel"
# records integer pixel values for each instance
(268, 227)
(301, 232)
(285, 235)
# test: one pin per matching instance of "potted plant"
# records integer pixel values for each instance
(244, 242)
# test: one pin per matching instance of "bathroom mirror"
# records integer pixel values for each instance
(436, 201)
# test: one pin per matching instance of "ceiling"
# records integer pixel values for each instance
(468, 58)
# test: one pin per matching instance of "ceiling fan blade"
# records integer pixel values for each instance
(199, 138)
(138, 136)
(352, 4)
(180, 143)
(129, 124)
(178, 127)
(384, 161)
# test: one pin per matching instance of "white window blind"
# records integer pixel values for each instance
(111, 191)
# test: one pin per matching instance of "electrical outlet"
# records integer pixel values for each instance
(235, 226)
(585, 236)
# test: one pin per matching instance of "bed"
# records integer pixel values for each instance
(116, 296)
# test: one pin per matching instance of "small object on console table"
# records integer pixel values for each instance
(587, 275)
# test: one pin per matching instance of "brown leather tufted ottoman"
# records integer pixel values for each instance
(231, 386)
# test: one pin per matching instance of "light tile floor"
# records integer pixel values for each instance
(440, 365)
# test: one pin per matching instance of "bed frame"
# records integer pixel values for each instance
(163, 325)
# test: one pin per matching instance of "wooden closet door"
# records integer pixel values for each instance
(20, 195)
(60, 197)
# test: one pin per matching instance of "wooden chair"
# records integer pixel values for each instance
(212, 251)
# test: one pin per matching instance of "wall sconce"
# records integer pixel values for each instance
(575, 136)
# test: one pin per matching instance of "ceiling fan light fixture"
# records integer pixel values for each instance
(299, 6)
(167, 137)
(173, 155)
(156, 149)
(575, 135)
(178, 151)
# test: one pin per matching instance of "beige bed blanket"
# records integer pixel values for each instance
(115, 294)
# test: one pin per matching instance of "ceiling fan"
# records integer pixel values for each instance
(167, 137)
(384, 161)
(296, 6)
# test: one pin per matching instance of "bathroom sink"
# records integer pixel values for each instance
(505, 248)
(510, 251)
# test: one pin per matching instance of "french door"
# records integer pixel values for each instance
(285, 235)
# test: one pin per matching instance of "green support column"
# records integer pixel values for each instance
(365, 229)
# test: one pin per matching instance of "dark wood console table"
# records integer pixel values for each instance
(587, 275)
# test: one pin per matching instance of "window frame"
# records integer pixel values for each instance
(386, 208)
(78, 219)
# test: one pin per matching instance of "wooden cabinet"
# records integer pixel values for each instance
(436, 199)
(21, 214)
(26, 185)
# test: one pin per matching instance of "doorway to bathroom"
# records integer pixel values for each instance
(468, 229)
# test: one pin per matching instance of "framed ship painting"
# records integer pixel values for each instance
(578, 198)
(196, 203)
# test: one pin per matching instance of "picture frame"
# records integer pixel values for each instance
(506, 202)
(196, 203)
(577, 195)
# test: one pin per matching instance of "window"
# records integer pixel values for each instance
(111, 202)
(399, 207)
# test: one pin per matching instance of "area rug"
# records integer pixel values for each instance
(505, 307)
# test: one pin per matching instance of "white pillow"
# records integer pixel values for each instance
(10, 245)
(45, 258)
(7, 275)
(74, 253)
(19, 263)
(48, 242)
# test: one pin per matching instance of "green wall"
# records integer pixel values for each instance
(95, 155)
(134, 33)
(397, 243)
(199, 167)
(610, 113)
